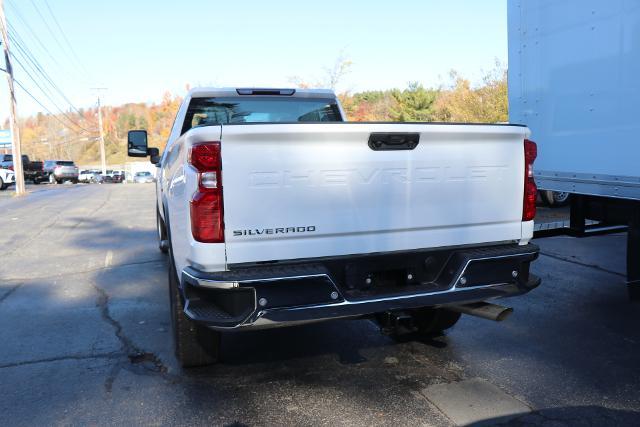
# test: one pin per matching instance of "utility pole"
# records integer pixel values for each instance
(102, 153)
(13, 119)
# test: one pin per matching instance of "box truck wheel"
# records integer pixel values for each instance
(555, 198)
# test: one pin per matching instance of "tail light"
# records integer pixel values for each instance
(10, 167)
(530, 189)
(207, 224)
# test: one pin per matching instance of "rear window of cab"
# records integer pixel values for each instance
(213, 111)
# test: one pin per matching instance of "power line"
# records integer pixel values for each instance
(33, 33)
(40, 75)
(43, 47)
(37, 67)
(55, 117)
(48, 95)
(35, 6)
(64, 36)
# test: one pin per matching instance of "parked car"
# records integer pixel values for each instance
(32, 170)
(85, 175)
(7, 177)
(113, 176)
(117, 177)
(59, 171)
(107, 176)
(143, 177)
(409, 224)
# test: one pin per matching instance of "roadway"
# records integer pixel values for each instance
(86, 338)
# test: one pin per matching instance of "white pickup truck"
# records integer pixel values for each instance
(276, 212)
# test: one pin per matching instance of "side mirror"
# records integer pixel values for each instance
(137, 143)
(154, 153)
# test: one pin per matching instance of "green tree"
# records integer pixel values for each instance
(414, 104)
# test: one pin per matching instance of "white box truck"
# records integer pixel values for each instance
(574, 70)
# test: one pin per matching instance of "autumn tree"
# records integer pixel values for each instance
(484, 103)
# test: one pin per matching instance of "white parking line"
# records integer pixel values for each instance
(108, 258)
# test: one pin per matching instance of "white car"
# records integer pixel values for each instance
(87, 176)
(143, 177)
(275, 212)
(7, 177)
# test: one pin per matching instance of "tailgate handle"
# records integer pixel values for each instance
(385, 141)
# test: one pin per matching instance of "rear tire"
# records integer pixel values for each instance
(162, 234)
(195, 345)
(3, 186)
(36, 181)
(431, 321)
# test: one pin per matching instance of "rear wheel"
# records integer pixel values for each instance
(36, 181)
(430, 321)
(3, 186)
(163, 243)
(195, 345)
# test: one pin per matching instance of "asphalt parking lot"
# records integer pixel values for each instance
(85, 333)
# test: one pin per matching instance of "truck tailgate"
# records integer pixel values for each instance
(313, 190)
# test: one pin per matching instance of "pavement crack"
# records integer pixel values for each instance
(10, 291)
(62, 358)
(145, 362)
(583, 264)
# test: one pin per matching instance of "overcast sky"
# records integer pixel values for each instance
(139, 49)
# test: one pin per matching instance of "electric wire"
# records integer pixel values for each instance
(48, 95)
(53, 35)
(34, 35)
(39, 103)
(38, 68)
(35, 66)
(64, 36)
